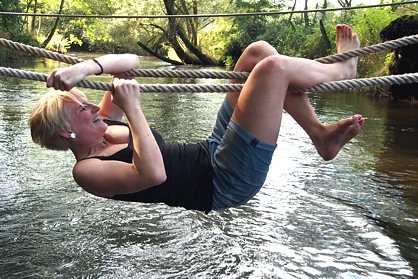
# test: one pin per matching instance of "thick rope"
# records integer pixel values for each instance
(148, 88)
(204, 88)
(389, 45)
(134, 73)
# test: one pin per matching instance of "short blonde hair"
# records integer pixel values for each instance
(49, 118)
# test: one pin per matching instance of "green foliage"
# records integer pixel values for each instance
(247, 29)
(222, 38)
(60, 43)
(389, 62)
(125, 33)
(368, 24)
(10, 23)
(11, 26)
(316, 44)
(92, 32)
(288, 39)
(212, 38)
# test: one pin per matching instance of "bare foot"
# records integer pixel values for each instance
(347, 40)
(332, 138)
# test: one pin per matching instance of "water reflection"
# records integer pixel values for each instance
(353, 217)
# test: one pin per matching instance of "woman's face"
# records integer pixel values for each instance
(84, 118)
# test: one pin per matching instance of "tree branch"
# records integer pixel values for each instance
(157, 55)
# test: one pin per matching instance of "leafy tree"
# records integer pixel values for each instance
(92, 32)
(247, 29)
(173, 39)
(11, 26)
(63, 32)
(181, 34)
(52, 31)
(368, 23)
(191, 40)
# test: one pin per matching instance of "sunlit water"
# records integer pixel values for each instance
(353, 217)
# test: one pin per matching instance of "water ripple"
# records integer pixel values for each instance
(353, 217)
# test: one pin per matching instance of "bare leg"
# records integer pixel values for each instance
(267, 88)
(296, 104)
(328, 139)
(253, 54)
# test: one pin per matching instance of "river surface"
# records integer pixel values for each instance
(353, 217)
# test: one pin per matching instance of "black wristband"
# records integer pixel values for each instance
(101, 67)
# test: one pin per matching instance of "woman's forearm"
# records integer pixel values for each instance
(114, 63)
(108, 110)
(108, 64)
(147, 159)
(66, 78)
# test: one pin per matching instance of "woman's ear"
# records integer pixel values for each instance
(68, 135)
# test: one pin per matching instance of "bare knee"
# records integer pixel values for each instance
(269, 77)
(275, 65)
(260, 47)
(259, 50)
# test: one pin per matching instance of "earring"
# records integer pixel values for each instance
(73, 135)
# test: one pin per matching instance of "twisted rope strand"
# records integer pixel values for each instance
(148, 88)
(389, 45)
(204, 88)
(39, 52)
(134, 73)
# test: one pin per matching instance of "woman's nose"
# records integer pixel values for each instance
(94, 108)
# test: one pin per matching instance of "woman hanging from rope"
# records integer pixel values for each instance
(130, 161)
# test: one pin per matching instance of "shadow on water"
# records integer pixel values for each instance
(353, 217)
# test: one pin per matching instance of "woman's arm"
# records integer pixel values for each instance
(66, 78)
(108, 110)
(108, 178)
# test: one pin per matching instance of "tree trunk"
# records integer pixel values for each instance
(324, 34)
(291, 15)
(191, 23)
(35, 10)
(173, 30)
(345, 3)
(176, 31)
(305, 15)
(51, 33)
(180, 34)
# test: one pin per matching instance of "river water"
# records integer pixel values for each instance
(353, 217)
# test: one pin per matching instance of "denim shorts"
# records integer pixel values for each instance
(240, 161)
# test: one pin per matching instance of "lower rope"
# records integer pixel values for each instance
(204, 88)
